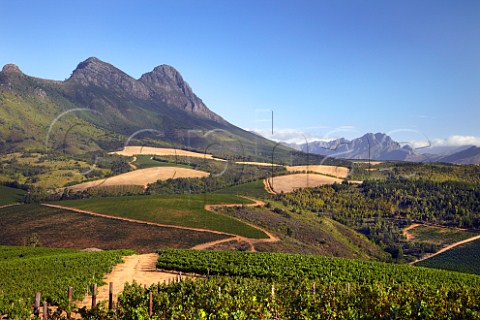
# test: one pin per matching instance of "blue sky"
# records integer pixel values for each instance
(326, 68)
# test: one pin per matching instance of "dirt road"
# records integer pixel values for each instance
(406, 232)
(139, 268)
(251, 242)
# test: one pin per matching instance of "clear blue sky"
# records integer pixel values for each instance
(326, 68)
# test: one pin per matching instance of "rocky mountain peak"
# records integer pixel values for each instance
(94, 71)
(167, 78)
(11, 68)
(168, 85)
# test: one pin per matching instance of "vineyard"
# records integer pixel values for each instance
(279, 286)
(463, 258)
(56, 227)
(10, 195)
(26, 270)
(177, 210)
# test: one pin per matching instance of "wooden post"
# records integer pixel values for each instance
(313, 289)
(36, 307)
(94, 295)
(110, 296)
(45, 310)
(150, 304)
(70, 295)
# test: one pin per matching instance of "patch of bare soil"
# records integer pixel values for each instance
(336, 171)
(291, 182)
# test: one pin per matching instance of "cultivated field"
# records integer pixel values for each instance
(290, 182)
(175, 210)
(67, 229)
(138, 150)
(339, 172)
(10, 195)
(142, 177)
(437, 235)
(464, 258)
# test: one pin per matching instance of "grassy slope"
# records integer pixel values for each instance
(306, 233)
(181, 210)
(464, 258)
(145, 161)
(10, 195)
(252, 189)
(63, 228)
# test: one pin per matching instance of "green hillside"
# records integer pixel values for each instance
(10, 195)
(178, 210)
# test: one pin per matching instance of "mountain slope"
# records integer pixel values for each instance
(467, 156)
(101, 108)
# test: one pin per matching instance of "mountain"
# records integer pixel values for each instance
(377, 146)
(380, 146)
(100, 107)
(470, 155)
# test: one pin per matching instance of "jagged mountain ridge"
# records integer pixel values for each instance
(377, 146)
(100, 107)
(380, 146)
(164, 83)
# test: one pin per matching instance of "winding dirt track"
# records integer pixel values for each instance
(250, 241)
(406, 232)
(209, 207)
(142, 268)
(9, 205)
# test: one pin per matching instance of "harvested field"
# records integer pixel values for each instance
(290, 182)
(336, 171)
(139, 150)
(68, 229)
(373, 163)
(142, 177)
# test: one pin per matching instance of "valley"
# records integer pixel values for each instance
(103, 167)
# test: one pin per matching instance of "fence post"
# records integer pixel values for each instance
(94, 295)
(150, 304)
(70, 295)
(45, 310)
(36, 307)
(110, 296)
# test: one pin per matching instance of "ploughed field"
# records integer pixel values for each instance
(62, 228)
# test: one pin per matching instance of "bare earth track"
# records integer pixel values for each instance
(142, 268)
(406, 232)
(139, 268)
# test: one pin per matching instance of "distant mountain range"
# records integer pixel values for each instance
(99, 107)
(380, 146)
